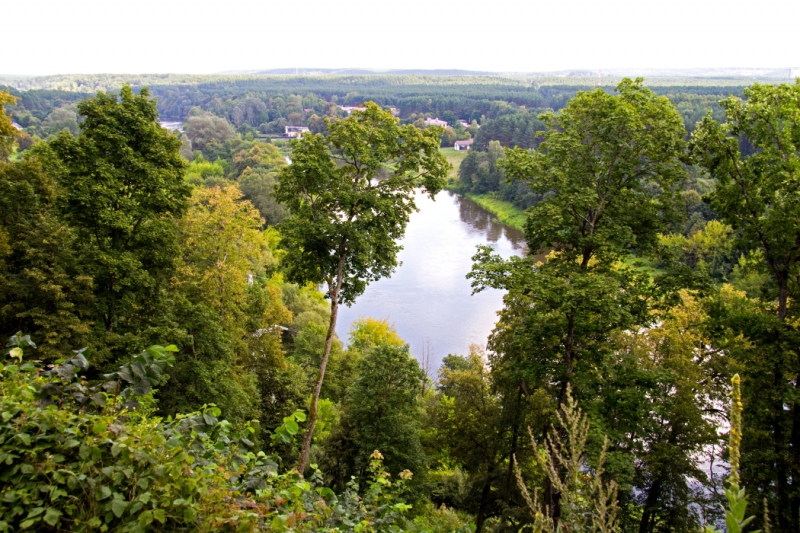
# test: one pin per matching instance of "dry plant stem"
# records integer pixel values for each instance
(585, 506)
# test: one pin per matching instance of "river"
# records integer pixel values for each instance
(428, 298)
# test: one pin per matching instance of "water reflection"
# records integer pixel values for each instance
(477, 217)
(428, 298)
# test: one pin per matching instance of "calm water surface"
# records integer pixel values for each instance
(428, 298)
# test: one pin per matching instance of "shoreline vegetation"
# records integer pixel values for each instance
(505, 212)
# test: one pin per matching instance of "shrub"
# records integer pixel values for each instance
(82, 458)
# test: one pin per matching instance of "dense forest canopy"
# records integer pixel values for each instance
(173, 366)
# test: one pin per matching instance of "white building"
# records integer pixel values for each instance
(294, 131)
(435, 122)
(463, 145)
(349, 109)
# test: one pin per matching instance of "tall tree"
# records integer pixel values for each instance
(351, 194)
(607, 169)
(755, 158)
(121, 189)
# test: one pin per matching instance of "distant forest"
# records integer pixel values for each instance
(503, 110)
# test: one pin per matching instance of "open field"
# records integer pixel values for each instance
(454, 157)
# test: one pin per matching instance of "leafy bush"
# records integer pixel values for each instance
(94, 458)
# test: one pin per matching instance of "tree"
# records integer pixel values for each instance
(351, 194)
(222, 244)
(379, 412)
(655, 399)
(607, 169)
(755, 158)
(42, 288)
(258, 186)
(468, 415)
(121, 188)
(607, 166)
(8, 132)
(206, 129)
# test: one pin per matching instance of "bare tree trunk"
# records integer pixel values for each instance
(312, 411)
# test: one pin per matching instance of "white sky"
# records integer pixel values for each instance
(206, 36)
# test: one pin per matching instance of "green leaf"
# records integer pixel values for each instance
(146, 518)
(300, 415)
(25, 438)
(118, 507)
(189, 514)
(160, 515)
(16, 353)
(52, 516)
(105, 492)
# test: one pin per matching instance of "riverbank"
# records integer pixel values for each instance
(506, 212)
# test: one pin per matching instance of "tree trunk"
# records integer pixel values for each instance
(645, 525)
(481, 518)
(312, 412)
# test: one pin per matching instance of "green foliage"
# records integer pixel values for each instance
(708, 250)
(472, 431)
(612, 162)
(290, 427)
(8, 133)
(121, 186)
(202, 172)
(755, 192)
(206, 130)
(43, 288)
(112, 468)
(755, 158)
(379, 411)
(367, 333)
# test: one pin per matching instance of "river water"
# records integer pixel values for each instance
(428, 298)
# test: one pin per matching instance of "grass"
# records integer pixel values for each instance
(454, 157)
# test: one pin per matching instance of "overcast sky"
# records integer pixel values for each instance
(206, 36)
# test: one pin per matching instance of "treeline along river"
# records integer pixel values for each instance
(428, 298)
